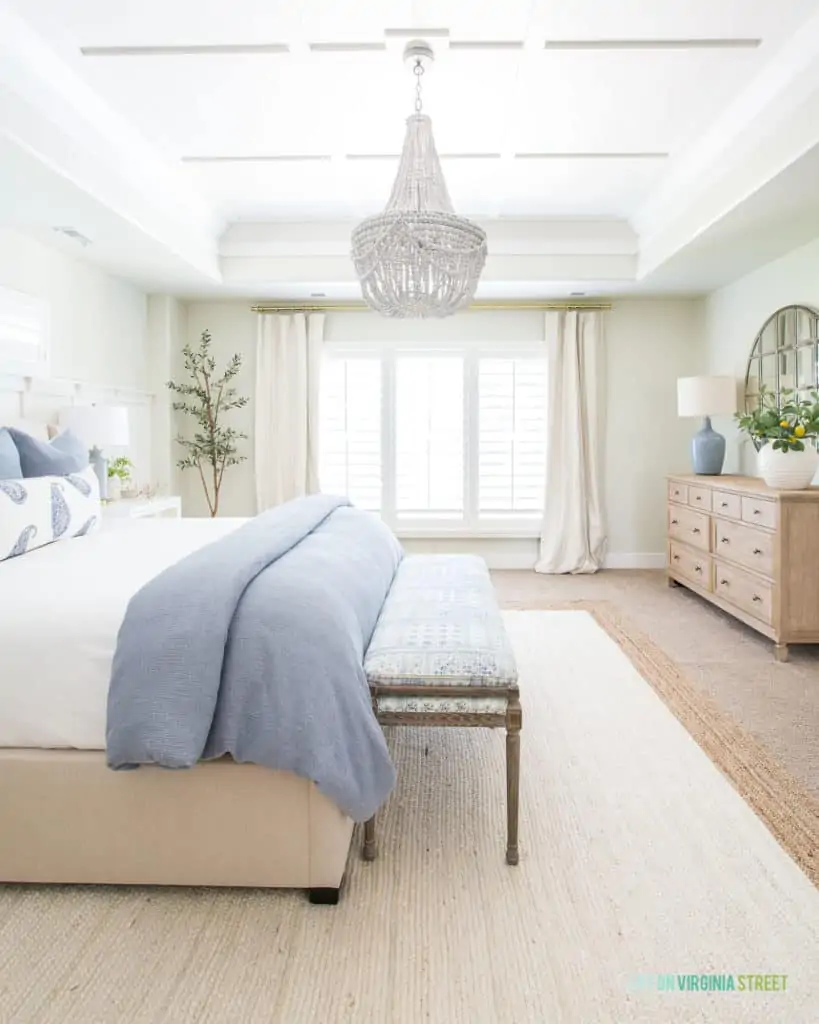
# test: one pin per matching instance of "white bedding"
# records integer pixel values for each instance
(60, 610)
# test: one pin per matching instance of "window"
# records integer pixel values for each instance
(511, 436)
(450, 437)
(24, 327)
(350, 431)
(429, 431)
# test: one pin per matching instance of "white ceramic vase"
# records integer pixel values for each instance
(788, 471)
(114, 488)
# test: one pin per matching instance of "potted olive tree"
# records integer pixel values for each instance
(208, 397)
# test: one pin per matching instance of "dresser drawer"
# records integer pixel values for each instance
(677, 492)
(687, 563)
(759, 512)
(727, 504)
(689, 526)
(743, 544)
(700, 498)
(743, 590)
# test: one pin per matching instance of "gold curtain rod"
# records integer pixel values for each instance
(358, 307)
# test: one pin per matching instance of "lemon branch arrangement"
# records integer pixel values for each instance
(786, 424)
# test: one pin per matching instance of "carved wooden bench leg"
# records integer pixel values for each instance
(369, 850)
(514, 721)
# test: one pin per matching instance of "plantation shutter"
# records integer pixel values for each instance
(350, 434)
(511, 436)
(429, 436)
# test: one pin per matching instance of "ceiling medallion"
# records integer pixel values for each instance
(418, 258)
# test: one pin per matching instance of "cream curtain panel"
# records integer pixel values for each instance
(573, 534)
(288, 364)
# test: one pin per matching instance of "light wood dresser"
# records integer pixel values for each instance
(750, 550)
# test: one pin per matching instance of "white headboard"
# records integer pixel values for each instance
(37, 428)
(33, 403)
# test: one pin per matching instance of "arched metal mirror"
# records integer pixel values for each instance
(785, 354)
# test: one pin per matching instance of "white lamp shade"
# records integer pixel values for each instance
(706, 396)
(101, 426)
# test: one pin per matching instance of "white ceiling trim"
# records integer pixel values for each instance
(192, 50)
(416, 33)
(260, 158)
(440, 37)
(735, 43)
(264, 158)
(365, 46)
(582, 155)
(773, 122)
(48, 111)
(623, 155)
(486, 44)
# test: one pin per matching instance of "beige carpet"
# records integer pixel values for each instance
(723, 658)
(638, 859)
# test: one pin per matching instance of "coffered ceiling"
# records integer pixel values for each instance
(541, 108)
(282, 113)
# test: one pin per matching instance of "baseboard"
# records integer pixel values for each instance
(638, 560)
(519, 552)
(512, 560)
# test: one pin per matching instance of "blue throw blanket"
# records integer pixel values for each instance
(253, 646)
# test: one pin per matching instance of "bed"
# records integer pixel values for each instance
(64, 815)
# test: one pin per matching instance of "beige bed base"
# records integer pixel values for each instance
(66, 817)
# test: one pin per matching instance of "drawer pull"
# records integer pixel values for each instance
(723, 583)
(696, 529)
(675, 522)
(757, 551)
(697, 568)
(725, 540)
(757, 511)
(757, 597)
(698, 498)
(676, 558)
(723, 504)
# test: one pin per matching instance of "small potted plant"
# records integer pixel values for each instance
(784, 433)
(119, 474)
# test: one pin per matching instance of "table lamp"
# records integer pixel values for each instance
(98, 426)
(707, 397)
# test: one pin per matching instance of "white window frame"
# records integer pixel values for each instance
(471, 525)
(24, 334)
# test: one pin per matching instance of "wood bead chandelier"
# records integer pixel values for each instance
(418, 258)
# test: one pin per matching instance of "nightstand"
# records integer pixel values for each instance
(169, 506)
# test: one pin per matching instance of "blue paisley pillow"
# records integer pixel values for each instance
(39, 510)
(10, 468)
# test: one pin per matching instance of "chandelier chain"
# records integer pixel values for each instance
(418, 71)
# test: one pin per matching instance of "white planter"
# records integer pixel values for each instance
(788, 471)
(114, 488)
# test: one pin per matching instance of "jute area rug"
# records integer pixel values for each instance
(657, 846)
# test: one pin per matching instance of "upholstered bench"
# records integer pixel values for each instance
(440, 656)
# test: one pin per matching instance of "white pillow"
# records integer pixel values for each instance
(39, 510)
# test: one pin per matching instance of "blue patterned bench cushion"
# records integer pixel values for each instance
(441, 626)
(396, 704)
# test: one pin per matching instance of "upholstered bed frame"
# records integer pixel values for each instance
(66, 817)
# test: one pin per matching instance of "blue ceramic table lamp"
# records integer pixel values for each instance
(707, 397)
